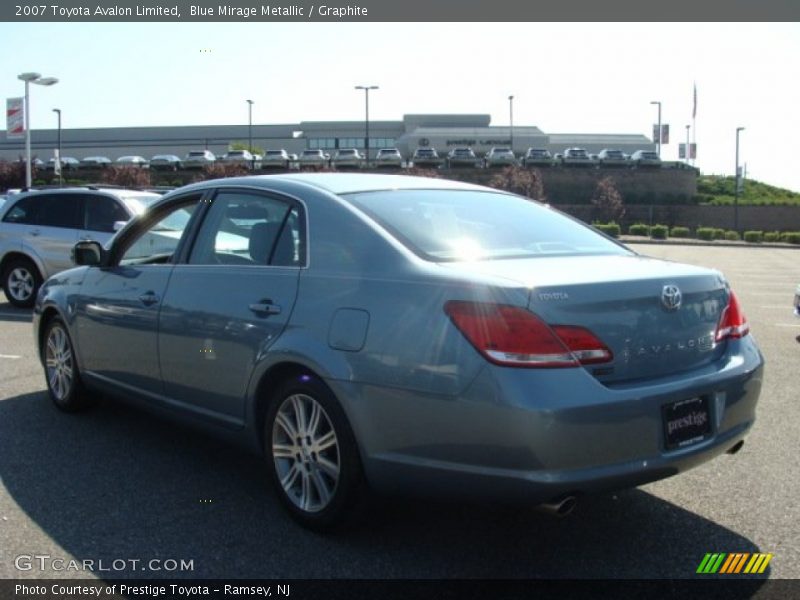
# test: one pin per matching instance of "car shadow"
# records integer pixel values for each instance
(116, 483)
(9, 312)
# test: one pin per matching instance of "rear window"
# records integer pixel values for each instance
(455, 225)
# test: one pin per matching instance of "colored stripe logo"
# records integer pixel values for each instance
(734, 563)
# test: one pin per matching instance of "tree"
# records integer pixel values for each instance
(607, 201)
(12, 174)
(520, 180)
(219, 170)
(244, 146)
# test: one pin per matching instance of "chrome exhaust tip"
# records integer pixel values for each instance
(559, 508)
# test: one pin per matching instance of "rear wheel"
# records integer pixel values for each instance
(312, 454)
(21, 282)
(61, 370)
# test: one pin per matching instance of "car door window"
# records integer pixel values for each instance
(101, 212)
(156, 242)
(245, 228)
(48, 210)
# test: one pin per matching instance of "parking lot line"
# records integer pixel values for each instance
(795, 325)
(11, 356)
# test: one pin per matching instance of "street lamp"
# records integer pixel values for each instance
(58, 162)
(250, 131)
(366, 89)
(736, 185)
(687, 152)
(29, 78)
(511, 120)
(659, 126)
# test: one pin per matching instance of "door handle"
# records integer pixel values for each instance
(265, 307)
(149, 298)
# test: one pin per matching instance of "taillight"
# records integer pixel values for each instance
(512, 336)
(732, 322)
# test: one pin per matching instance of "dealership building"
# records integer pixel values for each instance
(442, 132)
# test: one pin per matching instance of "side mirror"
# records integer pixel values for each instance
(87, 253)
(119, 225)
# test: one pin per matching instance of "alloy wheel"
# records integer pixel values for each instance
(305, 450)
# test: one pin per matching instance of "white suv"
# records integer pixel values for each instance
(39, 228)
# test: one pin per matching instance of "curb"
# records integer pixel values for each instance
(627, 239)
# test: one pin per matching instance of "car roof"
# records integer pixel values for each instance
(343, 183)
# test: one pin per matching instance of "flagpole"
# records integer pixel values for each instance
(694, 122)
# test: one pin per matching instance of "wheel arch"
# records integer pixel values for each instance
(18, 254)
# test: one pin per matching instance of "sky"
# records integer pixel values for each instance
(566, 78)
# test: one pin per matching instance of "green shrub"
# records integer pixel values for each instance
(732, 236)
(610, 229)
(639, 229)
(705, 233)
(772, 236)
(754, 237)
(659, 232)
(791, 237)
(679, 232)
(719, 234)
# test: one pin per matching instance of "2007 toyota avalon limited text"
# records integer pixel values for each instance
(407, 335)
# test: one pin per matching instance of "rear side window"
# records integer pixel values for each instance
(47, 210)
(101, 212)
(243, 228)
(455, 225)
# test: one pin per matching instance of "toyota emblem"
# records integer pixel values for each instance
(671, 297)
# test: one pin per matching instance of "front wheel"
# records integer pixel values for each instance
(312, 454)
(64, 384)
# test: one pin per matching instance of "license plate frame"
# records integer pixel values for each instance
(686, 422)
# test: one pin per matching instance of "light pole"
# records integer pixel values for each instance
(659, 126)
(366, 89)
(511, 120)
(687, 151)
(59, 164)
(29, 78)
(736, 185)
(250, 131)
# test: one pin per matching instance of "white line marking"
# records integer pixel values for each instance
(12, 356)
(781, 306)
(797, 325)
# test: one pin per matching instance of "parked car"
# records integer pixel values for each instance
(499, 157)
(95, 162)
(475, 343)
(389, 158)
(166, 162)
(612, 158)
(462, 157)
(348, 158)
(39, 228)
(797, 301)
(197, 159)
(576, 157)
(67, 164)
(313, 158)
(426, 157)
(276, 158)
(537, 157)
(645, 158)
(241, 157)
(139, 162)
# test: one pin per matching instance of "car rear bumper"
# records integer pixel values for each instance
(534, 436)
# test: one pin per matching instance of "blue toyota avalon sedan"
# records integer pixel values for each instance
(407, 334)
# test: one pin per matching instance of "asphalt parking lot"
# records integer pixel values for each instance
(116, 484)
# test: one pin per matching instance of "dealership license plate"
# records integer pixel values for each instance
(686, 422)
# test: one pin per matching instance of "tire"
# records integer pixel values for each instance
(317, 476)
(21, 282)
(64, 385)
